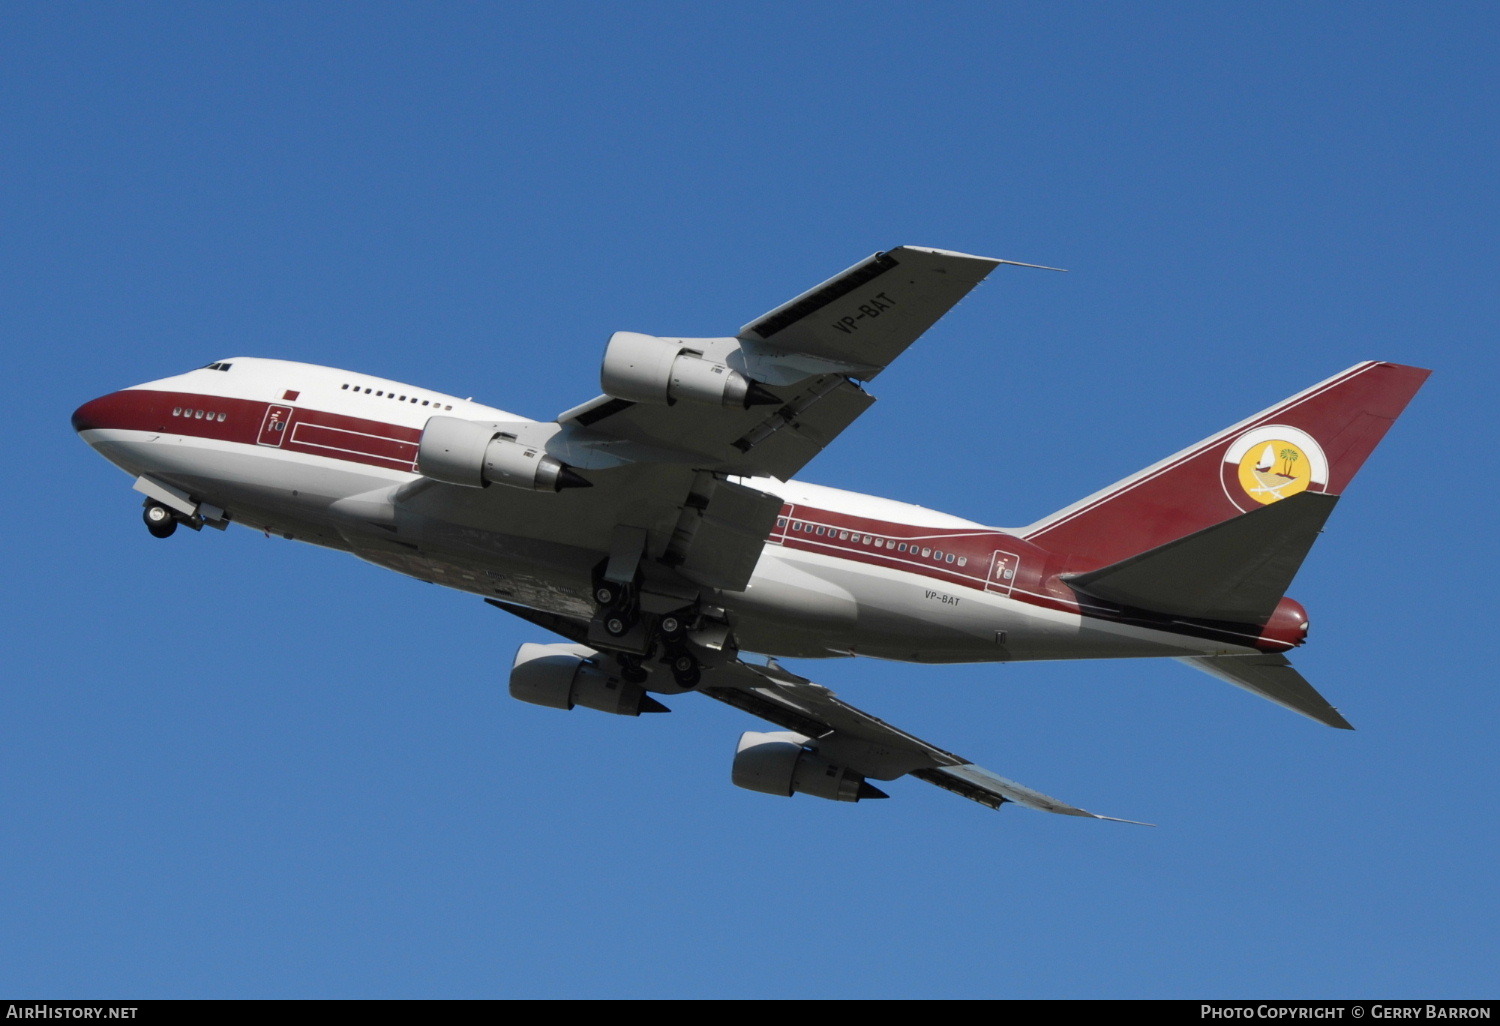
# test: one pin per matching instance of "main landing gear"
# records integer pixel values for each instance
(686, 671)
(621, 619)
(619, 607)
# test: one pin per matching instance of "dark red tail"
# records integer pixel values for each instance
(1314, 442)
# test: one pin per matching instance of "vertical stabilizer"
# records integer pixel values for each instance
(1313, 442)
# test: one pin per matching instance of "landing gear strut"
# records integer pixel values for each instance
(160, 521)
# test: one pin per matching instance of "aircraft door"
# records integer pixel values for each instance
(273, 429)
(1003, 569)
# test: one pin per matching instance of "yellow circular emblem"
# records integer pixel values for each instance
(1275, 469)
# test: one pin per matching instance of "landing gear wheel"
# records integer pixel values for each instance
(672, 626)
(617, 622)
(685, 669)
(159, 520)
(607, 593)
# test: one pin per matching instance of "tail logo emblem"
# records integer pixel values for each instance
(1270, 463)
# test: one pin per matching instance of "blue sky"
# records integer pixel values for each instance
(235, 766)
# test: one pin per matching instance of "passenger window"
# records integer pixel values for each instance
(926, 553)
(963, 560)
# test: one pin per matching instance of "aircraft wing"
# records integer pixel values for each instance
(837, 730)
(805, 356)
(869, 746)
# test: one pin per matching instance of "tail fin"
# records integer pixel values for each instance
(1313, 442)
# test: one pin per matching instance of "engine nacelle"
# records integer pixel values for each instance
(776, 763)
(562, 676)
(647, 369)
(465, 452)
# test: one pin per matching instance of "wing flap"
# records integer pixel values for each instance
(980, 785)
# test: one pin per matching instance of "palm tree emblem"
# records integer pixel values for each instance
(1289, 456)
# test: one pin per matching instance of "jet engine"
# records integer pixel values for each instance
(466, 452)
(647, 369)
(562, 676)
(776, 763)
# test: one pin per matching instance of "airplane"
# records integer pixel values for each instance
(659, 529)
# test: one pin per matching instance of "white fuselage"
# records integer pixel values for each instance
(329, 456)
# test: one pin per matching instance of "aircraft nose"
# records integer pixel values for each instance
(116, 410)
(90, 415)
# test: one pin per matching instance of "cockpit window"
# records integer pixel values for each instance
(219, 366)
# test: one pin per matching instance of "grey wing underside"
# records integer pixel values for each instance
(838, 731)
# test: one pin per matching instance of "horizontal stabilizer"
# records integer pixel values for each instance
(1273, 677)
(1237, 570)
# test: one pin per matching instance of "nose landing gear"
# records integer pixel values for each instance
(160, 521)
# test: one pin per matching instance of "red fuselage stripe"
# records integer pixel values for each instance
(394, 447)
